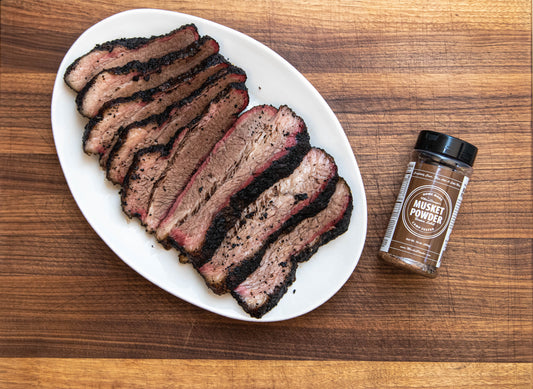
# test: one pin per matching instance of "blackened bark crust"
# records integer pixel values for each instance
(153, 65)
(129, 43)
(226, 218)
(241, 272)
(145, 96)
(273, 299)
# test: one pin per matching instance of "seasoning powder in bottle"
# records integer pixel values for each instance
(428, 203)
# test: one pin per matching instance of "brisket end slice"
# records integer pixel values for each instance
(135, 76)
(300, 195)
(263, 289)
(101, 131)
(240, 159)
(119, 52)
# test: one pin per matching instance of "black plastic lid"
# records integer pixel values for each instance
(449, 146)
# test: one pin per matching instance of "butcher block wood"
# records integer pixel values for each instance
(53, 373)
(71, 312)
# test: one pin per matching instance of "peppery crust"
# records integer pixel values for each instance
(339, 228)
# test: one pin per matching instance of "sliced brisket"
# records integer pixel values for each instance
(264, 145)
(158, 174)
(302, 194)
(135, 76)
(161, 128)
(244, 198)
(121, 51)
(263, 289)
(102, 130)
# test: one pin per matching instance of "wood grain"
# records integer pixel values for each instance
(388, 70)
(113, 373)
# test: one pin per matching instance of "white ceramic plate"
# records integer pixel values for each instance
(271, 80)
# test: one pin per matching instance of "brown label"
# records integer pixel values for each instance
(424, 213)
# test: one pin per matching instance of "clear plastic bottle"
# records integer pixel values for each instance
(428, 203)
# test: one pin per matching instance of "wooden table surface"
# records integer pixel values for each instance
(72, 313)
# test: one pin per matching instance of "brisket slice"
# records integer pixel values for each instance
(158, 175)
(101, 131)
(119, 52)
(250, 121)
(123, 81)
(160, 129)
(302, 194)
(262, 147)
(263, 289)
(169, 118)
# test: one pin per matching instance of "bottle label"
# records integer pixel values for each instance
(424, 213)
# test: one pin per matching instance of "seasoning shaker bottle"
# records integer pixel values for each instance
(428, 203)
